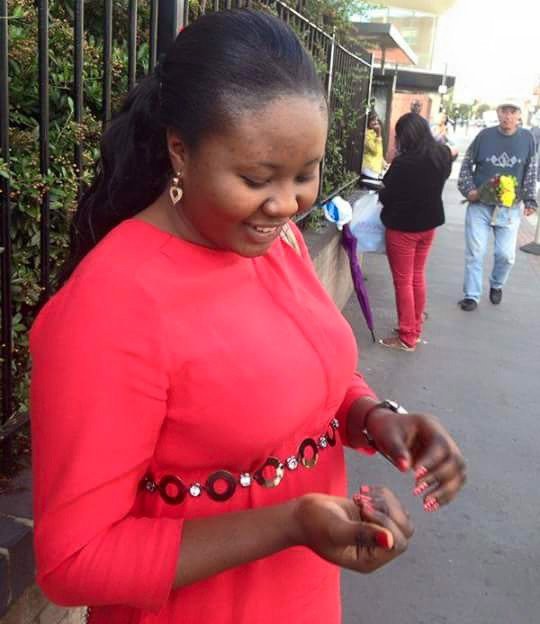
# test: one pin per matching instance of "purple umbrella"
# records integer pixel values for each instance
(348, 240)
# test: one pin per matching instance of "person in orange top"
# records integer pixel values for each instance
(193, 384)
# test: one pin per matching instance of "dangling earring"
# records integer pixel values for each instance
(175, 190)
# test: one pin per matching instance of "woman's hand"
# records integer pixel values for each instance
(361, 536)
(420, 442)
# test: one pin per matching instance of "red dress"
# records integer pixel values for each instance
(160, 357)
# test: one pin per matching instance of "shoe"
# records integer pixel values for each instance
(468, 304)
(393, 342)
(495, 295)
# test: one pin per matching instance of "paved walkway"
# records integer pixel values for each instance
(477, 561)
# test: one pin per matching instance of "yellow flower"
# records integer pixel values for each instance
(508, 198)
(507, 190)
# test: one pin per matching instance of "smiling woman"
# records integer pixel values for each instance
(241, 185)
(192, 481)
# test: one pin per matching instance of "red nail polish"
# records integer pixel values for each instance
(383, 540)
(420, 472)
(365, 489)
(366, 506)
(421, 488)
(403, 464)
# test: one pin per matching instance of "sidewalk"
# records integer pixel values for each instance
(477, 561)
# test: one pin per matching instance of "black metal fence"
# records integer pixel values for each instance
(345, 74)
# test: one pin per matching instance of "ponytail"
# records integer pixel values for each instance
(131, 173)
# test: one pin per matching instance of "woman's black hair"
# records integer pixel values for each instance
(414, 136)
(221, 65)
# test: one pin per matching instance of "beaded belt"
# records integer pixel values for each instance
(221, 485)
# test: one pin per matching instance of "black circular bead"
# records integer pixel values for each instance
(181, 489)
(223, 476)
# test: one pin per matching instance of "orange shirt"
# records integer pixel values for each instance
(159, 356)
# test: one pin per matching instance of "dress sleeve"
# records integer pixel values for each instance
(98, 400)
(358, 388)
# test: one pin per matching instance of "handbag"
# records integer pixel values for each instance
(366, 224)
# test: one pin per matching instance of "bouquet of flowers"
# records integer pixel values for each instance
(501, 190)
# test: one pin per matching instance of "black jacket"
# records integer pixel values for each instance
(412, 192)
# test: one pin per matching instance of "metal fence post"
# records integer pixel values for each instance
(107, 62)
(5, 241)
(366, 112)
(330, 75)
(329, 79)
(43, 56)
(170, 20)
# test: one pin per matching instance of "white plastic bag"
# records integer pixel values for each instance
(366, 224)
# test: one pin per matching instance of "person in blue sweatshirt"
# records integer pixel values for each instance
(506, 149)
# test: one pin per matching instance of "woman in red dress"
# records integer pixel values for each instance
(193, 384)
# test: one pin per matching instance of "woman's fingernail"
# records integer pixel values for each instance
(421, 488)
(384, 540)
(403, 464)
(431, 504)
(365, 489)
(367, 506)
(420, 472)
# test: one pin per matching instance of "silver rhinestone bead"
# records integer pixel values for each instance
(292, 463)
(323, 442)
(150, 486)
(245, 479)
(335, 423)
(195, 489)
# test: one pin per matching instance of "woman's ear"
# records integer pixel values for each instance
(177, 150)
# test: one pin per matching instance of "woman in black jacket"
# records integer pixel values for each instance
(412, 209)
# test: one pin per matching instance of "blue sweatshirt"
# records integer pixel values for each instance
(494, 153)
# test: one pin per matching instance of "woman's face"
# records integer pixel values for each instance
(374, 123)
(242, 185)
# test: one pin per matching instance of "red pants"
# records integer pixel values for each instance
(407, 255)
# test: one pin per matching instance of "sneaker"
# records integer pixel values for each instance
(468, 304)
(495, 295)
(393, 342)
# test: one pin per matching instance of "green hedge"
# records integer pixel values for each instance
(27, 185)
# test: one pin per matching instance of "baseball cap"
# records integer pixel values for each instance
(509, 103)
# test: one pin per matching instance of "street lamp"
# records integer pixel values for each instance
(443, 88)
